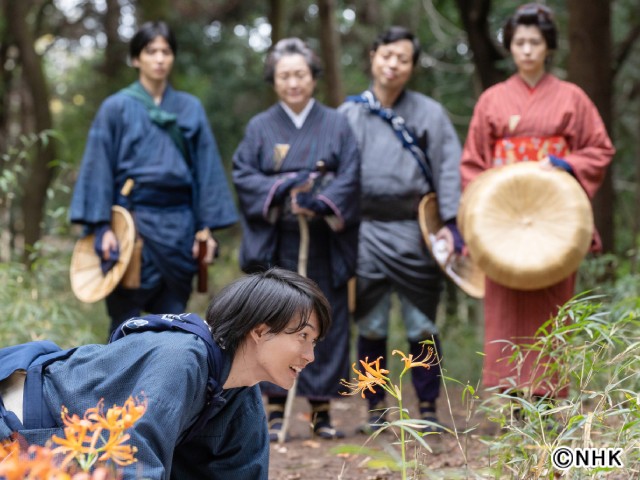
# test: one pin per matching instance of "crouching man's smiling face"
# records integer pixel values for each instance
(282, 356)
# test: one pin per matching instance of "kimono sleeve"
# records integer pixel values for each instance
(591, 147)
(343, 193)
(476, 154)
(234, 444)
(215, 205)
(254, 187)
(445, 153)
(93, 194)
(168, 369)
(175, 391)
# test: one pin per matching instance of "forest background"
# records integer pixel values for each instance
(61, 58)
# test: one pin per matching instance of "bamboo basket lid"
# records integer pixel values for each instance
(88, 283)
(527, 228)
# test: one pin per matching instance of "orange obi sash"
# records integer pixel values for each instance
(528, 149)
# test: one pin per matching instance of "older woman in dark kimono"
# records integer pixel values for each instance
(298, 164)
(510, 121)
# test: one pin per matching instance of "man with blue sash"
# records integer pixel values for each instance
(151, 150)
(408, 148)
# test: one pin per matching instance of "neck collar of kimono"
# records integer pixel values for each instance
(386, 98)
(536, 83)
(227, 360)
(155, 89)
(298, 119)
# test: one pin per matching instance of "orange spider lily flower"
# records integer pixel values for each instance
(42, 463)
(132, 411)
(77, 439)
(11, 465)
(118, 418)
(372, 376)
(9, 448)
(84, 441)
(410, 362)
(116, 451)
(36, 463)
(82, 435)
(373, 368)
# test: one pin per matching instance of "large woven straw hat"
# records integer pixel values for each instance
(88, 282)
(526, 228)
(458, 268)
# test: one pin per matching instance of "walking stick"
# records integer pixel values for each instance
(303, 256)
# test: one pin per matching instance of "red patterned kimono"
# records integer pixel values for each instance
(510, 121)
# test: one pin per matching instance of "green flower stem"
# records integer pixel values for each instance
(402, 441)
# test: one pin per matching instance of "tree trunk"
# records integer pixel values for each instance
(5, 85)
(5, 204)
(473, 14)
(635, 229)
(153, 10)
(330, 44)
(115, 51)
(589, 66)
(276, 19)
(41, 172)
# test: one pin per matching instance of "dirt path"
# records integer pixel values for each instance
(304, 457)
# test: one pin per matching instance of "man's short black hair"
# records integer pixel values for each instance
(394, 34)
(147, 33)
(273, 298)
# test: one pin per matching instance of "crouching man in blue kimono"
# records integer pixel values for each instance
(204, 416)
(150, 149)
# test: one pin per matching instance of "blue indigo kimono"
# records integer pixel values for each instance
(272, 152)
(172, 197)
(170, 370)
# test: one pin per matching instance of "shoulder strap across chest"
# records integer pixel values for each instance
(191, 323)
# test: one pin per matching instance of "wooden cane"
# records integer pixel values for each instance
(303, 256)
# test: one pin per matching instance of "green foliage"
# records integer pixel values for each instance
(593, 351)
(13, 166)
(38, 304)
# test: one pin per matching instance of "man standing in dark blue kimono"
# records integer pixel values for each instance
(151, 150)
